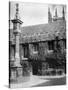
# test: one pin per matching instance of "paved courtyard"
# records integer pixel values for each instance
(38, 81)
(53, 81)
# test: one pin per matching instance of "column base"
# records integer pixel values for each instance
(19, 71)
(16, 72)
(13, 74)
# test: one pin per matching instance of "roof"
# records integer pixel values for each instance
(43, 32)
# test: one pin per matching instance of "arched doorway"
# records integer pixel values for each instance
(36, 66)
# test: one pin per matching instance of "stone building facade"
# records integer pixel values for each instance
(32, 44)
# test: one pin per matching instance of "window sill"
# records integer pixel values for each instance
(35, 52)
(50, 51)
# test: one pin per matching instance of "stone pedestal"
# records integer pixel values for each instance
(13, 74)
(16, 72)
(19, 71)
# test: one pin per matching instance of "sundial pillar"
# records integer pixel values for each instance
(16, 31)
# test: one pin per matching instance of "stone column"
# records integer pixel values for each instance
(21, 52)
(17, 57)
(17, 54)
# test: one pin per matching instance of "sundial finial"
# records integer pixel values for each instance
(17, 11)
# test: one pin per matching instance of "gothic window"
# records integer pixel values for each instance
(25, 50)
(51, 45)
(64, 43)
(35, 47)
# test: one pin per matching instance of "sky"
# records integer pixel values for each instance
(34, 13)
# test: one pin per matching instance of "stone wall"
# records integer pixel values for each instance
(43, 50)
